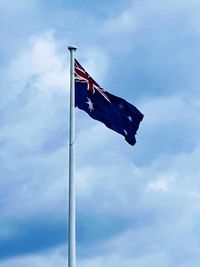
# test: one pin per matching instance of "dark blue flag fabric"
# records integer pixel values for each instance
(115, 112)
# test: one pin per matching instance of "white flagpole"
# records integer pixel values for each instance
(72, 195)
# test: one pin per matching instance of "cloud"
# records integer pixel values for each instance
(32, 118)
(32, 80)
(18, 20)
(136, 206)
(159, 185)
(151, 198)
(171, 126)
(34, 139)
(48, 259)
(44, 63)
(156, 54)
(123, 24)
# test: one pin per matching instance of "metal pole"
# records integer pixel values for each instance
(72, 196)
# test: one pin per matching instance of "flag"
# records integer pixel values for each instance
(115, 112)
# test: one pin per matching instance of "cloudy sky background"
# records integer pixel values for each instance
(136, 206)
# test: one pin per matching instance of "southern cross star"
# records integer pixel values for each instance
(130, 118)
(90, 104)
(125, 132)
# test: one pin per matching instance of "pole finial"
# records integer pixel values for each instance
(72, 47)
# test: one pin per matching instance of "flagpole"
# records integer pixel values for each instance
(72, 195)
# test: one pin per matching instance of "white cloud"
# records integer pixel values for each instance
(13, 8)
(42, 61)
(154, 199)
(43, 190)
(125, 23)
(153, 27)
(47, 259)
(115, 260)
(159, 185)
(32, 86)
(95, 62)
(158, 201)
(35, 88)
(164, 110)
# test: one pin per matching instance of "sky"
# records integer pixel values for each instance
(136, 206)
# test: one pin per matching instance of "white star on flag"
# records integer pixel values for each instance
(90, 104)
(125, 132)
(130, 118)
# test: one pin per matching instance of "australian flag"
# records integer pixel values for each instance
(115, 112)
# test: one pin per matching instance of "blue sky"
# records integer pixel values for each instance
(136, 206)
